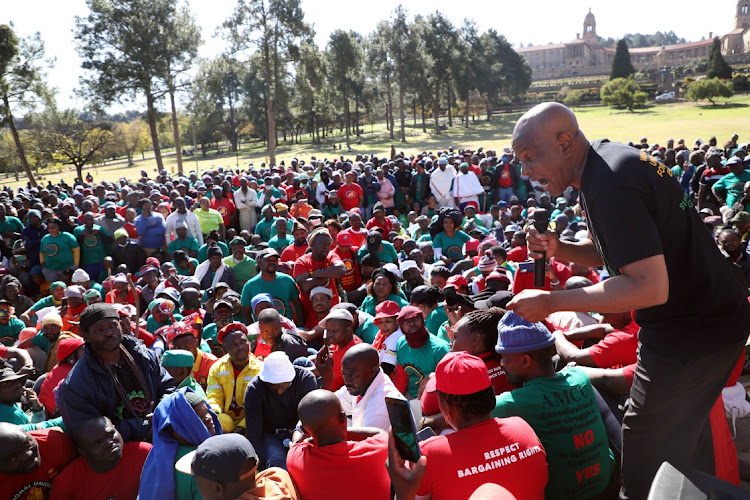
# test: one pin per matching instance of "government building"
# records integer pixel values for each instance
(586, 56)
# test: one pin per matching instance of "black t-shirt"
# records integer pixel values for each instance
(637, 209)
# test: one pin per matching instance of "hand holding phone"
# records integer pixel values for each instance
(403, 428)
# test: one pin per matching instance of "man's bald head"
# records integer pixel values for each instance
(359, 367)
(364, 354)
(320, 413)
(551, 147)
(19, 451)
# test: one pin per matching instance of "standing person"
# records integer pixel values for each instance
(351, 194)
(95, 243)
(181, 213)
(59, 251)
(246, 199)
(282, 288)
(466, 187)
(32, 236)
(689, 339)
(441, 183)
(150, 226)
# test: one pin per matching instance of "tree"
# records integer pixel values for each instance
(129, 138)
(622, 93)
(22, 83)
(402, 49)
(126, 45)
(574, 98)
(379, 60)
(621, 65)
(64, 138)
(717, 66)
(441, 42)
(709, 89)
(274, 29)
(344, 55)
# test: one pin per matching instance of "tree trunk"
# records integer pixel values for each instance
(152, 127)
(17, 140)
(401, 111)
(176, 132)
(79, 169)
(489, 112)
(436, 108)
(424, 122)
(450, 106)
(347, 119)
(270, 105)
(466, 110)
(414, 111)
(390, 110)
(356, 115)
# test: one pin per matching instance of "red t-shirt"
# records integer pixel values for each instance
(130, 228)
(78, 481)
(503, 451)
(56, 451)
(3, 350)
(353, 276)
(358, 237)
(343, 470)
(350, 196)
(201, 375)
(498, 377)
(386, 225)
(225, 207)
(306, 264)
(338, 354)
(617, 349)
(518, 254)
(53, 379)
(293, 252)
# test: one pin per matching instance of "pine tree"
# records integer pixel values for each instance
(621, 65)
(717, 66)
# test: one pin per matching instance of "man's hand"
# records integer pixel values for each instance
(532, 305)
(324, 365)
(405, 481)
(541, 242)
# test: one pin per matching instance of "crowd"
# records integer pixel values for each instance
(235, 333)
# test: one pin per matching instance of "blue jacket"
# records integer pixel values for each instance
(157, 478)
(151, 229)
(88, 391)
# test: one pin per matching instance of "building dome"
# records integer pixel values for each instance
(589, 19)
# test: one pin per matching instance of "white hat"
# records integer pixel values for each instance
(408, 264)
(277, 368)
(80, 276)
(74, 291)
(321, 289)
(336, 314)
(393, 268)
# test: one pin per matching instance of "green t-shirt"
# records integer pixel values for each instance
(435, 319)
(733, 186)
(41, 342)
(152, 325)
(563, 412)
(47, 301)
(9, 333)
(11, 224)
(185, 485)
(195, 386)
(210, 220)
(367, 330)
(203, 251)
(186, 272)
(368, 305)
(418, 363)
(443, 332)
(263, 228)
(451, 247)
(243, 270)
(387, 254)
(283, 289)
(280, 244)
(93, 249)
(210, 332)
(58, 251)
(289, 227)
(189, 243)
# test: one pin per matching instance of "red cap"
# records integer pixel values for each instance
(231, 327)
(497, 275)
(472, 245)
(386, 309)
(153, 261)
(409, 312)
(429, 402)
(457, 281)
(344, 239)
(67, 346)
(460, 373)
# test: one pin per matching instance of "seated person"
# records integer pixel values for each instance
(29, 460)
(388, 334)
(271, 401)
(225, 467)
(69, 352)
(259, 303)
(11, 391)
(417, 353)
(339, 331)
(179, 364)
(229, 376)
(560, 407)
(506, 451)
(273, 338)
(188, 341)
(617, 346)
(334, 459)
(182, 421)
(365, 388)
(107, 466)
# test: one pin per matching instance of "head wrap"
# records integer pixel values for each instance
(94, 313)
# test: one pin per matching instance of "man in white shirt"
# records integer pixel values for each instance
(441, 181)
(191, 221)
(246, 199)
(466, 187)
(365, 388)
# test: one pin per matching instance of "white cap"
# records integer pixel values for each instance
(336, 314)
(408, 264)
(321, 289)
(74, 291)
(277, 368)
(393, 268)
(80, 276)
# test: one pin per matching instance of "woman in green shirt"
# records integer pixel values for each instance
(209, 219)
(58, 251)
(449, 243)
(384, 286)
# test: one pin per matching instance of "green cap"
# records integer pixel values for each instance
(120, 233)
(177, 358)
(57, 284)
(237, 241)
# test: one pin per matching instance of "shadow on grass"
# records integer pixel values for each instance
(726, 105)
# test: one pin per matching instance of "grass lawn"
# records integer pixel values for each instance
(660, 122)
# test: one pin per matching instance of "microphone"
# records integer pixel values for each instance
(541, 224)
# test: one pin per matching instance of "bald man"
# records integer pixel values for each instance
(365, 388)
(334, 459)
(693, 315)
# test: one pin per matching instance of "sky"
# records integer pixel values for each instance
(538, 22)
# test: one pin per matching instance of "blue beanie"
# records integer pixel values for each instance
(515, 334)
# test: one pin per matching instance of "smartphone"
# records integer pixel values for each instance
(64, 302)
(404, 429)
(425, 433)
